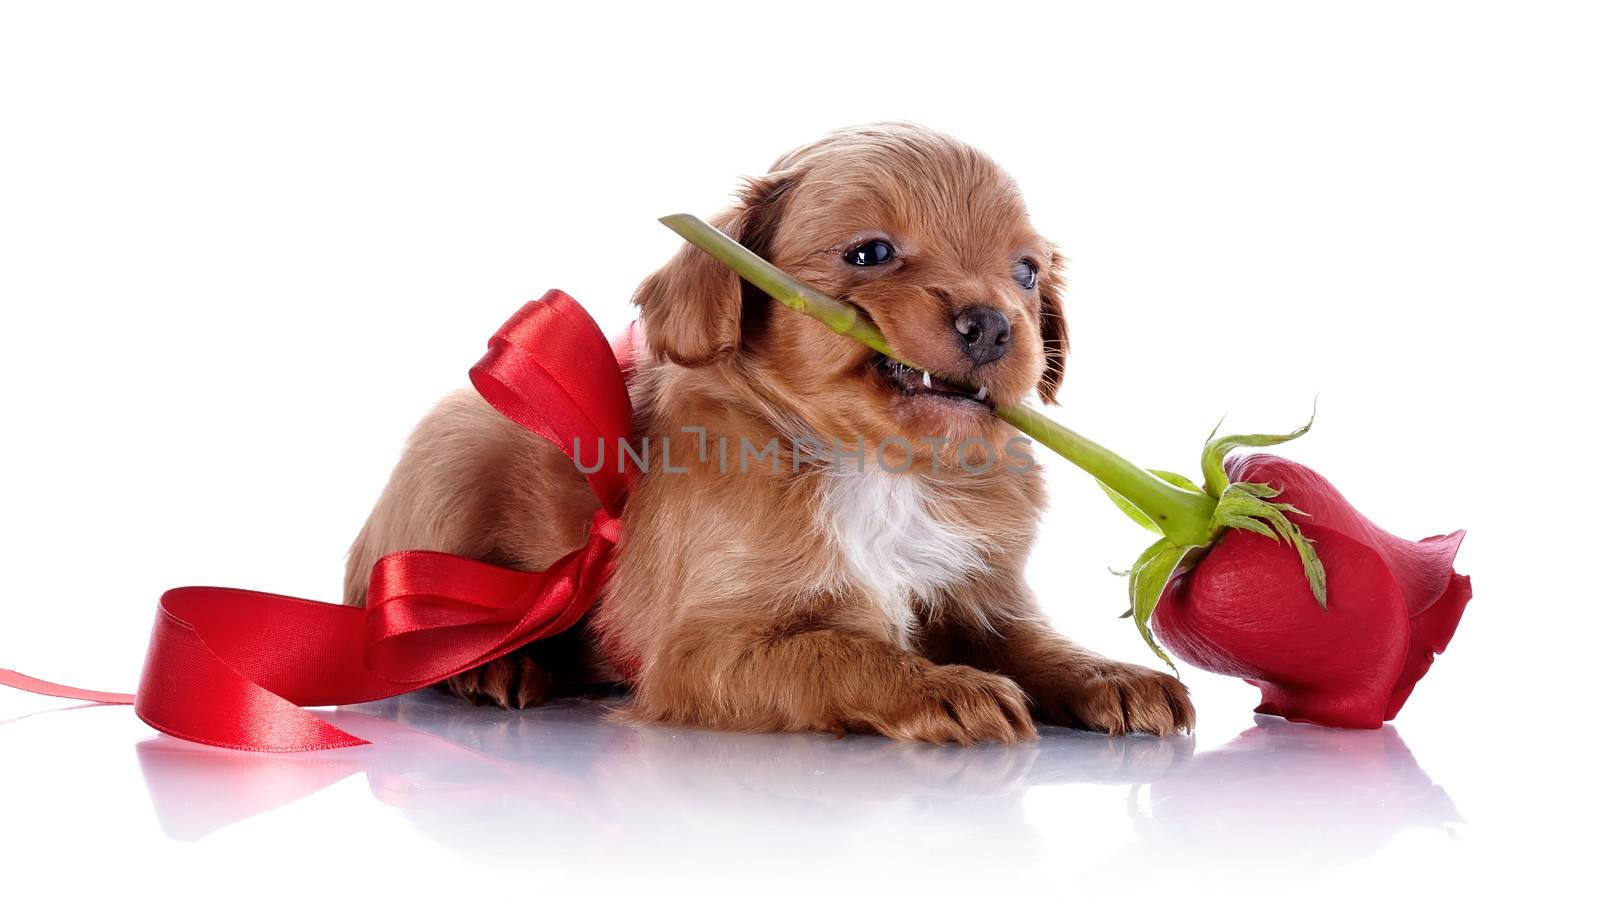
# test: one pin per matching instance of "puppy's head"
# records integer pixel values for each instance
(927, 237)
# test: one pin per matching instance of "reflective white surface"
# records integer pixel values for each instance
(244, 247)
(452, 794)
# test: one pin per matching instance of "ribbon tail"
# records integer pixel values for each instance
(188, 691)
(33, 685)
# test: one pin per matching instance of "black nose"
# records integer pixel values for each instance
(983, 333)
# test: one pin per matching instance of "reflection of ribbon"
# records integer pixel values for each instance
(233, 668)
(198, 790)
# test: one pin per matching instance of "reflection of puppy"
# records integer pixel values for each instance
(559, 787)
(880, 589)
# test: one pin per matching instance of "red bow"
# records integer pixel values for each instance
(233, 668)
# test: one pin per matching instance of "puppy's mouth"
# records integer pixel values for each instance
(914, 382)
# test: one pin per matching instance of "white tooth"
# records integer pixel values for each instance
(983, 392)
(927, 380)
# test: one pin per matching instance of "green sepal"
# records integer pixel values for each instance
(1264, 491)
(1217, 449)
(1248, 507)
(1152, 571)
(1128, 509)
(1173, 478)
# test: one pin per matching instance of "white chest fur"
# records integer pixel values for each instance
(892, 545)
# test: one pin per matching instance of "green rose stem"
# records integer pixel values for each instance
(1189, 518)
(1183, 516)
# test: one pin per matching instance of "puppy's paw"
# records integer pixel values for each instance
(959, 705)
(1119, 698)
(513, 681)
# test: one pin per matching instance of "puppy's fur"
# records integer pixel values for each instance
(818, 596)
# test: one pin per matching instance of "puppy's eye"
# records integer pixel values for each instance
(1026, 274)
(872, 253)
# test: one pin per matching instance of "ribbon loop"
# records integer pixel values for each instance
(552, 371)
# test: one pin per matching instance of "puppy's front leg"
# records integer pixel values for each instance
(824, 679)
(1066, 684)
(1072, 686)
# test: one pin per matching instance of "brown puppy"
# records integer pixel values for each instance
(822, 540)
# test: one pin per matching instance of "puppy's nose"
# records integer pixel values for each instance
(983, 332)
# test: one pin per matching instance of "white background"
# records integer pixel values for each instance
(243, 248)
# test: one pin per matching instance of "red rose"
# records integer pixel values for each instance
(1247, 609)
(1263, 571)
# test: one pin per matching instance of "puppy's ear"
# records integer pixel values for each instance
(691, 306)
(1053, 329)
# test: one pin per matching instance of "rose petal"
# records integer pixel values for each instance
(1246, 610)
(1431, 631)
(1423, 568)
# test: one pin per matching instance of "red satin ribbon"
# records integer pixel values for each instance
(233, 668)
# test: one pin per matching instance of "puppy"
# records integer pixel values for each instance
(865, 574)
